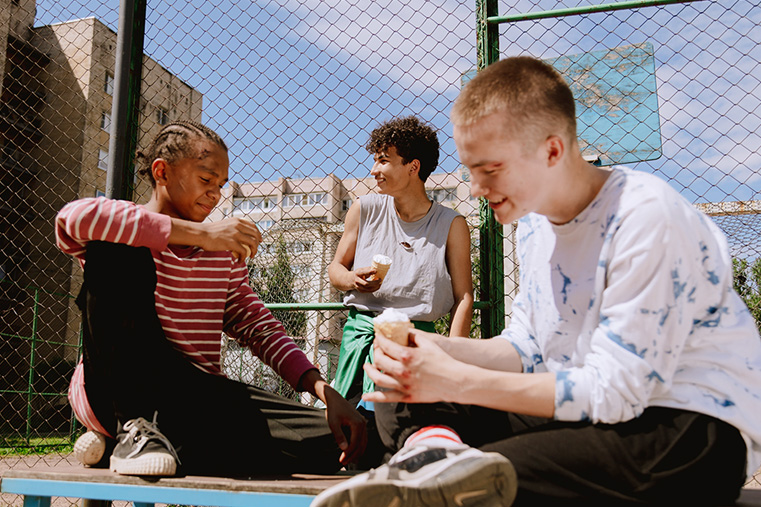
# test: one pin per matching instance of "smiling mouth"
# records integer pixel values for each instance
(495, 204)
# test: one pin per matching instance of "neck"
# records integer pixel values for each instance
(581, 182)
(412, 206)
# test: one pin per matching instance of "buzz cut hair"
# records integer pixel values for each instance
(532, 98)
(413, 140)
(176, 141)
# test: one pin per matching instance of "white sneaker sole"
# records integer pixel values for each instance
(486, 481)
(154, 463)
(89, 448)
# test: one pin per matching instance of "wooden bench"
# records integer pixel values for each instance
(39, 485)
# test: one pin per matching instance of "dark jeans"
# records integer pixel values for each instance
(217, 425)
(665, 456)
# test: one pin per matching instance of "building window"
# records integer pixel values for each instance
(316, 197)
(249, 204)
(263, 225)
(162, 116)
(310, 199)
(442, 194)
(103, 160)
(298, 247)
(346, 204)
(105, 121)
(109, 86)
(300, 270)
(100, 193)
(291, 200)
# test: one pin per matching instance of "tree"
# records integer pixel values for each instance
(274, 284)
(747, 283)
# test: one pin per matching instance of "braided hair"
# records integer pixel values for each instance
(176, 141)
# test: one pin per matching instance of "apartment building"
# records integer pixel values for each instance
(56, 91)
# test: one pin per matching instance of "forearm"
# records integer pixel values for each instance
(341, 277)
(186, 233)
(313, 383)
(522, 393)
(492, 354)
(462, 316)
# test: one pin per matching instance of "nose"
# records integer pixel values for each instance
(477, 188)
(215, 193)
(375, 171)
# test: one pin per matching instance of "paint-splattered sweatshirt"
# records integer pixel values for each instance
(631, 305)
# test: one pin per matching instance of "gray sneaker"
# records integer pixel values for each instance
(429, 476)
(142, 449)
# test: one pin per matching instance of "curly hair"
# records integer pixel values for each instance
(413, 140)
(176, 141)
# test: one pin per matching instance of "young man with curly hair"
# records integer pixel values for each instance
(429, 245)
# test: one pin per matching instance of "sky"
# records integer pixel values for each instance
(294, 87)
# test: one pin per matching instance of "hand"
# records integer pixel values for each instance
(239, 236)
(420, 373)
(362, 282)
(342, 418)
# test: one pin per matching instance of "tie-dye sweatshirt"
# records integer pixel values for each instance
(199, 294)
(631, 305)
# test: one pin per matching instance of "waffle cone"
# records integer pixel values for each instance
(380, 271)
(396, 331)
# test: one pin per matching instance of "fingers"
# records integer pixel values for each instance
(383, 379)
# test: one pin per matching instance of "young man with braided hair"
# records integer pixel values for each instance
(630, 371)
(160, 287)
(429, 245)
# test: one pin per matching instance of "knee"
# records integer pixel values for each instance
(119, 266)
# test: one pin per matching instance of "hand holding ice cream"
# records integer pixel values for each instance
(381, 263)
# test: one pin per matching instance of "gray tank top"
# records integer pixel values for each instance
(418, 282)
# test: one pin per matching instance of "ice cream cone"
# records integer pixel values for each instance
(381, 263)
(394, 325)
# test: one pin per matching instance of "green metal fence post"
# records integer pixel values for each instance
(492, 262)
(30, 386)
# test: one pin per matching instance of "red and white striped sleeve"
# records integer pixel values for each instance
(115, 221)
(254, 326)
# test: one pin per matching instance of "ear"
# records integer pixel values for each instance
(414, 166)
(555, 147)
(159, 169)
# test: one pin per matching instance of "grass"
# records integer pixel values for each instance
(14, 446)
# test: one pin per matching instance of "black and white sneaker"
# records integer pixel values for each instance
(429, 476)
(142, 449)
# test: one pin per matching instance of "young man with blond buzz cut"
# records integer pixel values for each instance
(630, 371)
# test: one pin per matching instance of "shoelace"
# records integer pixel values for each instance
(142, 431)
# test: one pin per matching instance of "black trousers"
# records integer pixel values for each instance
(665, 456)
(217, 425)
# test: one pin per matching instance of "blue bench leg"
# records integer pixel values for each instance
(36, 501)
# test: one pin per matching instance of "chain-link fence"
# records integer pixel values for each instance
(294, 88)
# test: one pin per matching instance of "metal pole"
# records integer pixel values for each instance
(32, 360)
(491, 257)
(125, 107)
(586, 9)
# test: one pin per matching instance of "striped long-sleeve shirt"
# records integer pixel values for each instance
(199, 294)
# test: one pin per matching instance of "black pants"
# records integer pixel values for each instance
(217, 425)
(665, 456)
